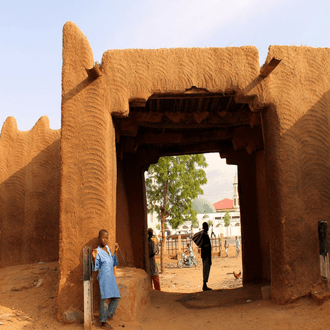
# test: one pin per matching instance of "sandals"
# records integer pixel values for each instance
(106, 325)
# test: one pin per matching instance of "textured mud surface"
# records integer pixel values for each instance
(29, 193)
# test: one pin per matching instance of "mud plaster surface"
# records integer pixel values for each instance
(29, 193)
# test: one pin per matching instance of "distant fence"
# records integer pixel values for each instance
(172, 245)
(216, 244)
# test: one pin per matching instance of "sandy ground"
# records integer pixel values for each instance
(26, 302)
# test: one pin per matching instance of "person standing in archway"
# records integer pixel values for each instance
(206, 254)
(212, 232)
(238, 246)
(154, 274)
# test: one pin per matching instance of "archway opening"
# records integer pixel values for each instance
(195, 121)
(218, 206)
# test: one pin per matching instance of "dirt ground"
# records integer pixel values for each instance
(28, 301)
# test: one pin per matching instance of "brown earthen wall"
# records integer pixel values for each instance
(138, 73)
(262, 209)
(250, 230)
(294, 101)
(29, 193)
(88, 173)
(296, 127)
(135, 189)
(123, 226)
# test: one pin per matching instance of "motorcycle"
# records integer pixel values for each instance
(187, 261)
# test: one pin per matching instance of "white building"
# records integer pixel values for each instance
(210, 213)
(216, 213)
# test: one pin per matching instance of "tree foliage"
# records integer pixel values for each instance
(194, 223)
(226, 219)
(172, 184)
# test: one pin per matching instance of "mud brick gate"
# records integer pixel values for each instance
(120, 116)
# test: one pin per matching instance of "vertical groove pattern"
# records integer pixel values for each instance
(299, 89)
(29, 193)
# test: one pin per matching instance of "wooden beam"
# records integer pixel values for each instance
(248, 138)
(213, 146)
(137, 103)
(94, 72)
(193, 94)
(186, 138)
(88, 287)
(268, 69)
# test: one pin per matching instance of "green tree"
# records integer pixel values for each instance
(226, 219)
(194, 223)
(210, 223)
(171, 185)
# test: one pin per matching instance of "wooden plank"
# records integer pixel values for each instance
(268, 69)
(94, 72)
(185, 138)
(88, 287)
(88, 305)
(189, 96)
(137, 103)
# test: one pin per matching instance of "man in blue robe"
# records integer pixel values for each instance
(104, 262)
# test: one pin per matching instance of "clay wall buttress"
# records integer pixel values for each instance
(123, 228)
(88, 175)
(250, 231)
(136, 196)
(264, 225)
(297, 146)
(29, 193)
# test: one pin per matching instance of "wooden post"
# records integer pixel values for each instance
(179, 246)
(88, 287)
(324, 251)
(222, 247)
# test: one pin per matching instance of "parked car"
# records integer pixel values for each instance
(183, 233)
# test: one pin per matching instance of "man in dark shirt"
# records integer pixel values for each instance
(206, 254)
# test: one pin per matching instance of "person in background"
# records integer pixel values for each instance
(212, 232)
(154, 274)
(206, 254)
(226, 248)
(189, 254)
(238, 246)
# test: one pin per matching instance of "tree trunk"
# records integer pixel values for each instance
(163, 246)
(162, 222)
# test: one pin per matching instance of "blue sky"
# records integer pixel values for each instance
(31, 38)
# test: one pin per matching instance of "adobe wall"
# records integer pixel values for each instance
(136, 196)
(29, 193)
(263, 219)
(250, 230)
(138, 73)
(297, 150)
(88, 172)
(123, 228)
(88, 175)
(294, 101)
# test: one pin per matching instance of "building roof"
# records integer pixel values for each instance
(224, 204)
(202, 205)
